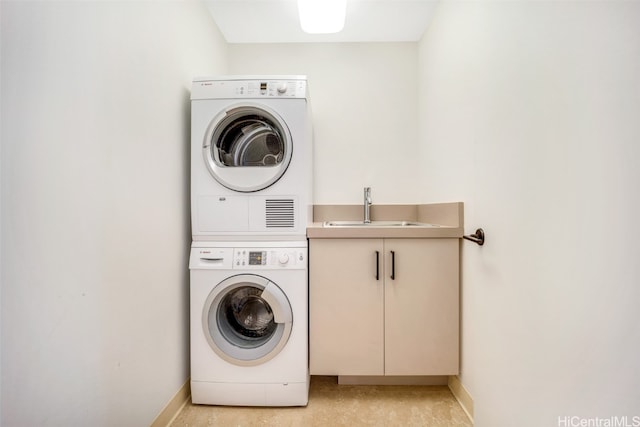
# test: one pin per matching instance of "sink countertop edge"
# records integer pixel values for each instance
(318, 231)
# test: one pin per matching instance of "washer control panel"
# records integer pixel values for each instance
(269, 258)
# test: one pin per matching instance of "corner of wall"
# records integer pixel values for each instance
(175, 405)
(462, 395)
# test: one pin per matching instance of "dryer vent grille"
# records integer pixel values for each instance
(280, 213)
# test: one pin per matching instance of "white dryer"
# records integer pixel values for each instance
(249, 327)
(251, 158)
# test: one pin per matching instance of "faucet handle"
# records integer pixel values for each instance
(367, 204)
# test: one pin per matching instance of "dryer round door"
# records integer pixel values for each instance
(247, 147)
(247, 319)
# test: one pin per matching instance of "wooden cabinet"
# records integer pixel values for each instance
(346, 307)
(384, 306)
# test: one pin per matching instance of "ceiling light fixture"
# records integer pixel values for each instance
(322, 16)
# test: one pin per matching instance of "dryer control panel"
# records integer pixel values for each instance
(291, 87)
(269, 258)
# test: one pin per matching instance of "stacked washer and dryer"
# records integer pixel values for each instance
(251, 202)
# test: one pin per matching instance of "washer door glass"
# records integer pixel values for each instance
(247, 319)
(247, 148)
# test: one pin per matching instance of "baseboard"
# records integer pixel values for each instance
(174, 406)
(391, 380)
(462, 395)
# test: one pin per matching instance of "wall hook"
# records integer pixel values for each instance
(477, 237)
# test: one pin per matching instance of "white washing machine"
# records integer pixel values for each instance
(251, 158)
(249, 327)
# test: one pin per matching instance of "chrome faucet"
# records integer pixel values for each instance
(367, 205)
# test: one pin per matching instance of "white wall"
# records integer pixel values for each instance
(364, 113)
(529, 114)
(1, 259)
(95, 225)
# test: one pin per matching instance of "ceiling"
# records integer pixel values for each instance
(276, 21)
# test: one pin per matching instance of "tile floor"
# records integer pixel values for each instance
(331, 404)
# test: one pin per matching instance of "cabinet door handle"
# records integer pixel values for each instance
(393, 265)
(377, 265)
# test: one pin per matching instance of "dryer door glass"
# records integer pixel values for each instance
(241, 322)
(247, 148)
(249, 141)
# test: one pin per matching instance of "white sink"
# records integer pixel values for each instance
(379, 224)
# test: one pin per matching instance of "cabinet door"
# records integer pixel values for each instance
(422, 307)
(346, 322)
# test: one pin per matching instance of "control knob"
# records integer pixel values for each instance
(283, 258)
(282, 88)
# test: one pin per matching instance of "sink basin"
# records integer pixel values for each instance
(378, 224)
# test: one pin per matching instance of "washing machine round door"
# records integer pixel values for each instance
(247, 319)
(247, 147)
